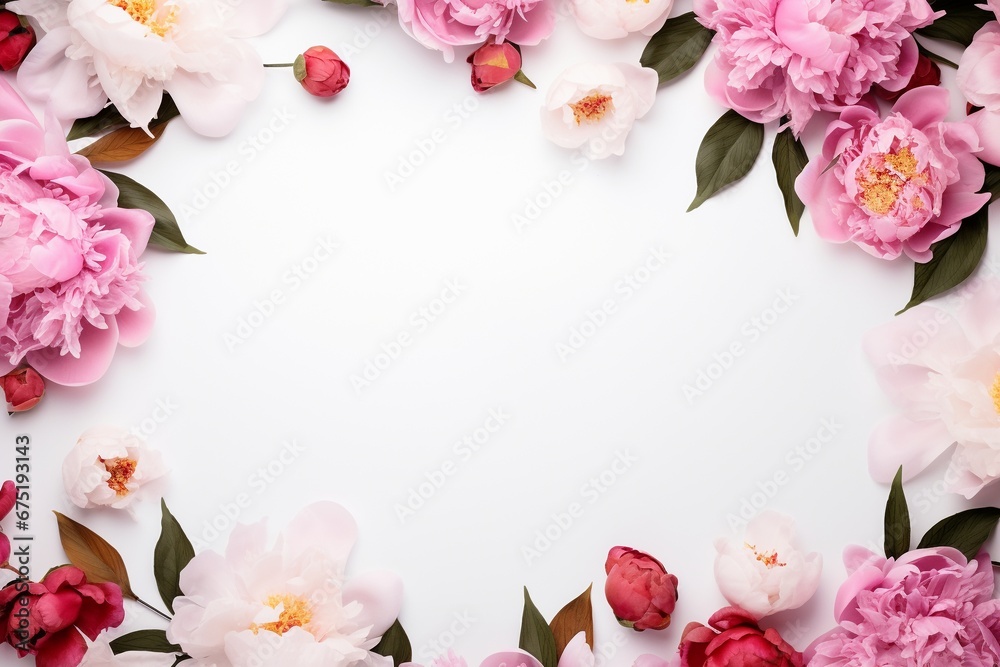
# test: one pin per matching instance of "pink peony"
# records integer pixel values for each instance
(899, 184)
(70, 280)
(928, 607)
(794, 58)
(444, 24)
(8, 497)
(979, 80)
(944, 374)
(732, 638)
(641, 593)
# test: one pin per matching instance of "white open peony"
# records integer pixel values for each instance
(288, 604)
(107, 467)
(131, 51)
(612, 19)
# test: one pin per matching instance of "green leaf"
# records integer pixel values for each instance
(166, 232)
(521, 77)
(955, 258)
(395, 644)
(154, 641)
(536, 635)
(109, 117)
(897, 519)
(576, 617)
(676, 47)
(961, 21)
(726, 154)
(357, 3)
(992, 184)
(172, 553)
(940, 60)
(966, 531)
(789, 158)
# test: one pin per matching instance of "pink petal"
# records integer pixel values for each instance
(97, 349)
(923, 105)
(8, 496)
(511, 659)
(899, 441)
(818, 191)
(58, 259)
(134, 326)
(987, 125)
(134, 223)
(981, 315)
(57, 611)
(864, 578)
(12, 107)
(48, 75)
(324, 526)
(61, 649)
(381, 597)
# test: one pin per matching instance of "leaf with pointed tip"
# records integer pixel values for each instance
(166, 232)
(961, 21)
(726, 154)
(395, 644)
(154, 641)
(121, 145)
(172, 554)
(789, 158)
(897, 519)
(109, 118)
(536, 635)
(966, 531)
(574, 618)
(676, 47)
(91, 553)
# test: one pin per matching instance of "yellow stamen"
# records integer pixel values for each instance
(768, 558)
(592, 108)
(121, 472)
(881, 186)
(995, 394)
(144, 12)
(295, 613)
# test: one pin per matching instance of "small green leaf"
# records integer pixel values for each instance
(166, 232)
(962, 19)
(789, 158)
(897, 519)
(955, 258)
(726, 154)
(521, 77)
(172, 553)
(395, 644)
(536, 635)
(966, 531)
(154, 641)
(676, 47)
(110, 118)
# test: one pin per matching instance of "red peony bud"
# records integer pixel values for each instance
(641, 593)
(493, 64)
(321, 71)
(23, 388)
(16, 39)
(927, 74)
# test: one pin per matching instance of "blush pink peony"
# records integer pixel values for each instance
(979, 80)
(445, 24)
(928, 607)
(796, 57)
(897, 185)
(70, 278)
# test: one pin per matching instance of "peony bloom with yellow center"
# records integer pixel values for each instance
(130, 52)
(288, 603)
(943, 371)
(108, 466)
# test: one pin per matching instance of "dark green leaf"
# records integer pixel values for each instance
(789, 158)
(395, 644)
(966, 531)
(676, 47)
(726, 154)
(992, 184)
(358, 3)
(109, 118)
(172, 553)
(536, 635)
(181, 658)
(144, 640)
(166, 232)
(940, 60)
(961, 21)
(897, 519)
(955, 258)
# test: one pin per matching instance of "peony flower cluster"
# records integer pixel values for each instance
(898, 185)
(778, 58)
(929, 607)
(979, 80)
(70, 278)
(107, 467)
(132, 51)
(944, 374)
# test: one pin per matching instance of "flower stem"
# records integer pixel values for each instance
(151, 608)
(279, 64)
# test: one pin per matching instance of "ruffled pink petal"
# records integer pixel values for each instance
(987, 125)
(134, 326)
(534, 28)
(577, 653)
(906, 65)
(818, 191)
(381, 598)
(899, 441)
(57, 611)
(97, 349)
(511, 659)
(864, 578)
(923, 106)
(12, 107)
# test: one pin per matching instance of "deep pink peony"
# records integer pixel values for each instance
(70, 280)
(445, 24)
(641, 593)
(929, 607)
(899, 184)
(796, 57)
(8, 497)
(732, 638)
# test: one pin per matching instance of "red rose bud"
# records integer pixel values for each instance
(493, 64)
(16, 39)
(641, 593)
(927, 74)
(732, 637)
(321, 71)
(23, 388)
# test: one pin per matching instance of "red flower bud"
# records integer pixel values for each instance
(641, 593)
(321, 71)
(927, 74)
(23, 388)
(732, 637)
(493, 64)
(15, 40)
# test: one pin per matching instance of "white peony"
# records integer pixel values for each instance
(107, 467)
(764, 573)
(132, 51)
(611, 19)
(593, 106)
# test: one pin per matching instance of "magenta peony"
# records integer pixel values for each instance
(732, 638)
(70, 279)
(779, 58)
(928, 607)
(898, 185)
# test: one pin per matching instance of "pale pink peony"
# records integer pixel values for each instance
(445, 24)
(898, 185)
(944, 374)
(778, 58)
(928, 607)
(290, 602)
(70, 279)
(979, 80)
(576, 654)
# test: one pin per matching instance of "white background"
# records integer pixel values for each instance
(322, 176)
